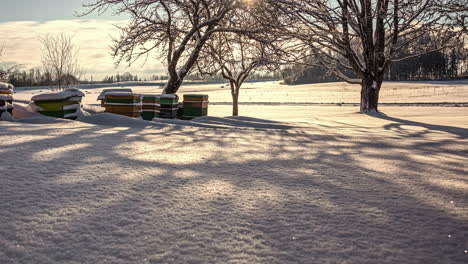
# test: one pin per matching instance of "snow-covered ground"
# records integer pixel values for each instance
(274, 92)
(287, 184)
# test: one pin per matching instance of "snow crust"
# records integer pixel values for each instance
(339, 187)
(21, 111)
(6, 116)
(113, 120)
(34, 107)
(42, 120)
(288, 184)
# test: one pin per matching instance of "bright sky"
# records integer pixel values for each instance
(22, 22)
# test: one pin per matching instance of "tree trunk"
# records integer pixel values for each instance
(172, 85)
(177, 77)
(235, 105)
(235, 99)
(370, 90)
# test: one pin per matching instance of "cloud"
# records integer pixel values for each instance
(93, 37)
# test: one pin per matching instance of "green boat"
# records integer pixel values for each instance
(64, 104)
(60, 114)
(53, 106)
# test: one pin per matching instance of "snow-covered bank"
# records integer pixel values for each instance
(295, 184)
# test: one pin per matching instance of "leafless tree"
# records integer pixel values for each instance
(173, 30)
(365, 36)
(3, 72)
(7, 70)
(60, 58)
(235, 57)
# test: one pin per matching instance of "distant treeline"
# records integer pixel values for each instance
(447, 64)
(126, 77)
(36, 77)
(256, 76)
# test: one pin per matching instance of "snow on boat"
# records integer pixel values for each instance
(6, 98)
(65, 104)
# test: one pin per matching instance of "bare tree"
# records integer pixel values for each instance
(173, 30)
(60, 58)
(7, 71)
(3, 72)
(365, 36)
(235, 57)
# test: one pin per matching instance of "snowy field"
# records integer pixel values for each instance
(274, 92)
(287, 184)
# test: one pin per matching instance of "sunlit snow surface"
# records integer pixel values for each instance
(288, 184)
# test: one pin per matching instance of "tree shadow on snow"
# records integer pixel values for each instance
(180, 194)
(398, 124)
(243, 122)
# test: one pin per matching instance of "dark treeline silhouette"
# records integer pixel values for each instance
(256, 76)
(126, 77)
(36, 77)
(432, 66)
(450, 64)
